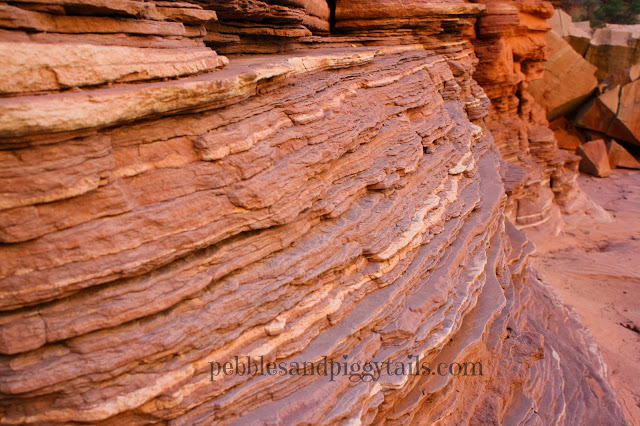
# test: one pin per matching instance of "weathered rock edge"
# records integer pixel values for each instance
(340, 202)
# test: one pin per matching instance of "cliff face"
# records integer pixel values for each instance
(511, 48)
(340, 199)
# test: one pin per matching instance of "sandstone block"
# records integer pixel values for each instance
(44, 67)
(615, 113)
(595, 160)
(567, 81)
(620, 157)
(578, 35)
(614, 48)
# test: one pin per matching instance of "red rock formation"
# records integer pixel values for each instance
(620, 157)
(594, 160)
(344, 201)
(577, 34)
(511, 48)
(264, 26)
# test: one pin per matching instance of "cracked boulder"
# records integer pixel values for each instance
(615, 113)
(614, 48)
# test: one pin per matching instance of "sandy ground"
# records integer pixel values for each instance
(595, 267)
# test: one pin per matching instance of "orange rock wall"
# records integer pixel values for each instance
(342, 199)
(511, 48)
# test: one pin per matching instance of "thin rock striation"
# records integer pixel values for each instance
(540, 179)
(342, 199)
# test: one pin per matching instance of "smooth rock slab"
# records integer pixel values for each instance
(615, 113)
(35, 67)
(568, 79)
(578, 35)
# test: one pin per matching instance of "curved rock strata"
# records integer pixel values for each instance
(343, 201)
(511, 47)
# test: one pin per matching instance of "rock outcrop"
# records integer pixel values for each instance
(55, 45)
(341, 201)
(565, 91)
(264, 26)
(512, 51)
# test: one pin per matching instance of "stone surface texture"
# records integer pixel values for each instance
(577, 34)
(615, 112)
(344, 198)
(568, 79)
(264, 26)
(614, 48)
(539, 178)
(566, 134)
(595, 160)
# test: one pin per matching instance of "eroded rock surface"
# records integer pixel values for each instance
(343, 201)
(264, 26)
(512, 51)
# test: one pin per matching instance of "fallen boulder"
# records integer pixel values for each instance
(619, 157)
(615, 113)
(565, 65)
(595, 160)
(614, 48)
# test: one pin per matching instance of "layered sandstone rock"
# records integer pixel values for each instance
(264, 26)
(54, 45)
(512, 50)
(343, 201)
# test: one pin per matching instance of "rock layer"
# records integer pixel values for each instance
(54, 45)
(342, 201)
(512, 51)
(264, 26)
